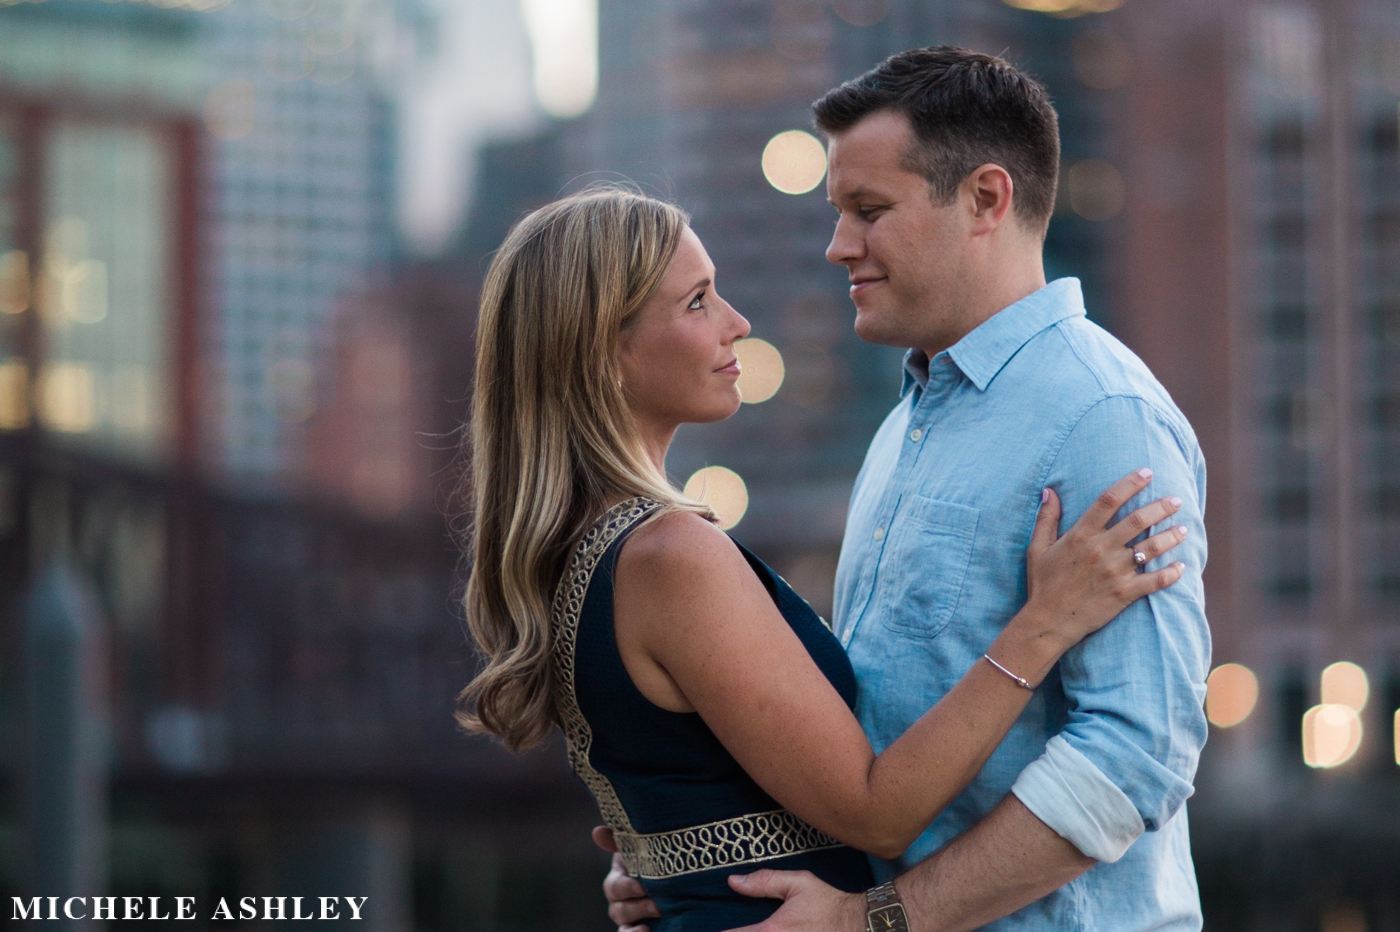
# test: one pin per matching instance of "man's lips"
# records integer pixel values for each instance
(863, 284)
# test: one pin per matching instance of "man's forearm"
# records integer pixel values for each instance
(1006, 861)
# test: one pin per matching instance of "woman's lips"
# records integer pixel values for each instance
(730, 368)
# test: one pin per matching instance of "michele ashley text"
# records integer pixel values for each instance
(187, 907)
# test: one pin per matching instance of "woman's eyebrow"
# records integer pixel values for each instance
(703, 283)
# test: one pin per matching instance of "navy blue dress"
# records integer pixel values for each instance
(684, 812)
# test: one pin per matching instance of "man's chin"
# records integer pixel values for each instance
(871, 329)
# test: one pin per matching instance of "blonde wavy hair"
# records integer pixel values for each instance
(552, 441)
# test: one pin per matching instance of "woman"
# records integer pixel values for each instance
(705, 705)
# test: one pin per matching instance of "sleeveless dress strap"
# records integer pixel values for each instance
(746, 839)
(568, 604)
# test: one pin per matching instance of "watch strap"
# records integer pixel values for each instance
(884, 911)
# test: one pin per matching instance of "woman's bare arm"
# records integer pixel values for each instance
(698, 631)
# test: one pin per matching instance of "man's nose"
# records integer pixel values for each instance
(845, 245)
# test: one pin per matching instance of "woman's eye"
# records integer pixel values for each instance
(695, 304)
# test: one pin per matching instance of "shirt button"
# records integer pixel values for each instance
(915, 434)
(879, 533)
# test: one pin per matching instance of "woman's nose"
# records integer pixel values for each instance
(743, 328)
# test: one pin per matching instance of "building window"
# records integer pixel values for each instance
(104, 289)
(14, 287)
(1379, 177)
(1289, 432)
(88, 306)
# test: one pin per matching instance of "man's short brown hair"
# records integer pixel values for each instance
(966, 109)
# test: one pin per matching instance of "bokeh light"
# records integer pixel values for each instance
(288, 10)
(329, 29)
(286, 57)
(1331, 735)
(1345, 684)
(564, 34)
(82, 290)
(862, 12)
(14, 282)
(1096, 190)
(67, 395)
(1396, 732)
(14, 394)
(723, 490)
(1231, 692)
(1101, 59)
(1065, 9)
(761, 369)
(1344, 916)
(334, 68)
(794, 162)
(800, 30)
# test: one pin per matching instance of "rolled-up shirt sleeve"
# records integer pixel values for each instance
(1125, 761)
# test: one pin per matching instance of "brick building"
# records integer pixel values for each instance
(1255, 269)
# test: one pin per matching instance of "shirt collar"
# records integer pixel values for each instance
(986, 350)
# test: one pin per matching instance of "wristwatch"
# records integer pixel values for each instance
(883, 910)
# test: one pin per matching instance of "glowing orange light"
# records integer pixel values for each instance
(1345, 684)
(1331, 735)
(1101, 59)
(1096, 189)
(761, 372)
(794, 162)
(67, 395)
(1231, 692)
(1065, 9)
(14, 394)
(723, 490)
(14, 282)
(862, 12)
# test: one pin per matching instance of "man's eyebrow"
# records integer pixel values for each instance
(857, 194)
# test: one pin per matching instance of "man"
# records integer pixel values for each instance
(943, 166)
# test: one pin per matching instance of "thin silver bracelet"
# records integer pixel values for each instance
(1018, 680)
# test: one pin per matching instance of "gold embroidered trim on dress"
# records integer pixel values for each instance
(568, 605)
(745, 839)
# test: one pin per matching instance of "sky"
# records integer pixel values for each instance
(485, 70)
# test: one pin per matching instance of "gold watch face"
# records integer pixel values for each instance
(889, 919)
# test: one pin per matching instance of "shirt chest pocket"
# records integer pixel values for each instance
(926, 563)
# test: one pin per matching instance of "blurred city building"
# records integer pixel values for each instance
(228, 645)
(1256, 262)
(300, 180)
(228, 409)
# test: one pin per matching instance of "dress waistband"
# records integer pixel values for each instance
(747, 839)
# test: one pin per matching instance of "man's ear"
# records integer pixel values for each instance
(991, 189)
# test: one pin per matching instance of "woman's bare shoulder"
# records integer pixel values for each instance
(680, 546)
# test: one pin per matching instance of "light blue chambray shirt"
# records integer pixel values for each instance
(933, 566)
